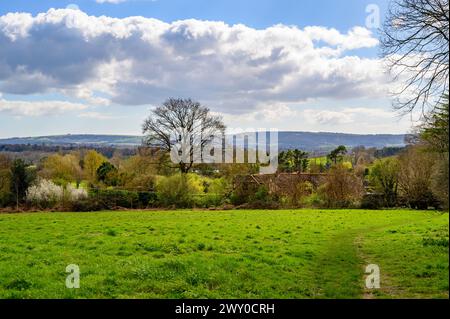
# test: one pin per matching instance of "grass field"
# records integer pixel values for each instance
(229, 254)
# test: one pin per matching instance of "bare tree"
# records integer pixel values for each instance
(415, 44)
(182, 121)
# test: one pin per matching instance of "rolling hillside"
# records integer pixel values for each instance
(287, 140)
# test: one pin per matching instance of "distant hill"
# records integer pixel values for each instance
(307, 141)
(323, 141)
(77, 139)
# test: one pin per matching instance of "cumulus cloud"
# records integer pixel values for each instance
(232, 68)
(38, 108)
(347, 115)
(358, 120)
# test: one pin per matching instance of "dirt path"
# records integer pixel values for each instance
(341, 270)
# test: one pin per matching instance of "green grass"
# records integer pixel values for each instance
(230, 254)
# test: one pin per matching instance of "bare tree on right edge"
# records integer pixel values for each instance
(415, 42)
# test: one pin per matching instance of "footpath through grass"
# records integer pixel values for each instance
(230, 254)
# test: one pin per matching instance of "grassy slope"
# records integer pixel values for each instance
(232, 254)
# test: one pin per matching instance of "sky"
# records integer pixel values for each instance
(100, 66)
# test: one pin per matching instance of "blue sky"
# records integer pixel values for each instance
(339, 14)
(70, 71)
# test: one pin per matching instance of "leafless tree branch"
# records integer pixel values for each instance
(415, 43)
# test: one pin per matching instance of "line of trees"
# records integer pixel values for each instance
(415, 177)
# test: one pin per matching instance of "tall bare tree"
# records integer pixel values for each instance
(415, 42)
(182, 121)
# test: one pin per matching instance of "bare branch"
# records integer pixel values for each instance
(415, 43)
(181, 120)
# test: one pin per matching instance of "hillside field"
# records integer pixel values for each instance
(225, 254)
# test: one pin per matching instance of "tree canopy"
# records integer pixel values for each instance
(182, 126)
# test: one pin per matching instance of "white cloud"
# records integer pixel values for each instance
(38, 108)
(370, 112)
(327, 117)
(135, 60)
(356, 115)
(357, 37)
(294, 117)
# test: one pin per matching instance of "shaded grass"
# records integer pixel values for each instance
(231, 254)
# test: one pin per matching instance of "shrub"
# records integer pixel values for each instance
(191, 190)
(439, 180)
(239, 195)
(373, 201)
(214, 192)
(73, 194)
(262, 198)
(178, 190)
(86, 205)
(6, 196)
(384, 177)
(113, 198)
(415, 178)
(147, 199)
(342, 188)
(173, 190)
(313, 200)
(242, 191)
(100, 199)
(298, 192)
(45, 194)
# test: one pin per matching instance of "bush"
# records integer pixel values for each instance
(439, 181)
(46, 194)
(384, 176)
(342, 188)
(313, 200)
(298, 193)
(238, 196)
(262, 198)
(191, 190)
(147, 199)
(6, 199)
(176, 190)
(86, 205)
(415, 178)
(214, 192)
(242, 190)
(113, 198)
(6, 196)
(73, 194)
(373, 201)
